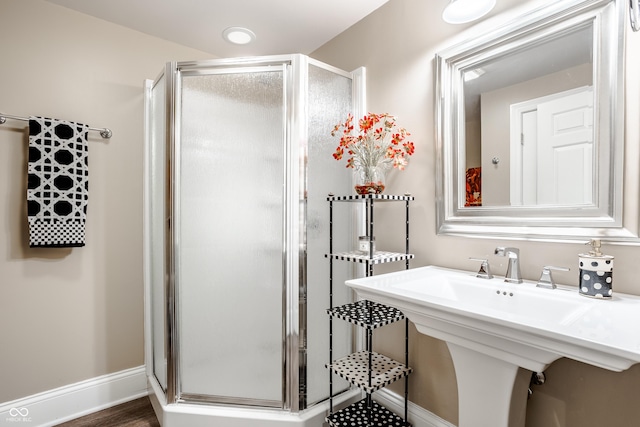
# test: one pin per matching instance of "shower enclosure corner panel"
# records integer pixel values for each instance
(327, 106)
(155, 224)
(240, 167)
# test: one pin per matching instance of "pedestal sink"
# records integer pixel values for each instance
(498, 332)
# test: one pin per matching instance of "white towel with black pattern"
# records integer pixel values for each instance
(58, 182)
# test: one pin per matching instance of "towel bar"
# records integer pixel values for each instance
(104, 132)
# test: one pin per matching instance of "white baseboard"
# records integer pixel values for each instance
(417, 415)
(75, 400)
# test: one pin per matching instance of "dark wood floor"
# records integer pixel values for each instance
(137, 413)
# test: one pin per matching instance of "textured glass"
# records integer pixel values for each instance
(230, 283)
(329, 104)
(157, 211)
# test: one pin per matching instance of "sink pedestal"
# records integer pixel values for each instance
(485, 389)
(493, 368)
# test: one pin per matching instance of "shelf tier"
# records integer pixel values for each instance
(355, 369)
(367, 314)
(379, 257)
(359, 414)
(357, 197)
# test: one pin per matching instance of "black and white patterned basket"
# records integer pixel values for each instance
(367, 314)
(361, 414)
(383, 370)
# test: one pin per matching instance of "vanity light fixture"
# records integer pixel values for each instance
(462, 11)
(238, 35)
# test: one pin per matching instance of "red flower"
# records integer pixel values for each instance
(373, 145)
(409, 147)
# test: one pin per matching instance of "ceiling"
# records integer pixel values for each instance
(281, 26)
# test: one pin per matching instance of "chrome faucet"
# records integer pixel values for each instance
(513, 268)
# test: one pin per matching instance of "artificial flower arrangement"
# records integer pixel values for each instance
(378, 145)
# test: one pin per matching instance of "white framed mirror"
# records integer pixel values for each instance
(530, 127)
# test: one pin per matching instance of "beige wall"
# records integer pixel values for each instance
(397, 44)
(67, 315)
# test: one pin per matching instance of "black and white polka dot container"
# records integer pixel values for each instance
(596, 275)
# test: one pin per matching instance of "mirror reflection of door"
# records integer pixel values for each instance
(552, 159)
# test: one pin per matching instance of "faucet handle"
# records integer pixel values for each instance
(546, 280)
(485, 270)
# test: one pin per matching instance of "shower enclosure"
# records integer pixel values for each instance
(238, 168)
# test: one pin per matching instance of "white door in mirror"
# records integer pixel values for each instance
(553, 159)
(565, 150)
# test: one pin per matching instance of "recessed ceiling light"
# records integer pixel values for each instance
(238, 35)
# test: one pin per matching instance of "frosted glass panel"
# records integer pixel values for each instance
(157, 211)
(230, 287)
(329, 104)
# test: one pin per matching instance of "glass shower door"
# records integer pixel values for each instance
(230, 228)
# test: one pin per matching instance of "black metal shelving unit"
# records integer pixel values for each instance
(368, 370)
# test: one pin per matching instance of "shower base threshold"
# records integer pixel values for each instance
(183, 414)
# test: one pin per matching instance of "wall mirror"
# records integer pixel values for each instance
(530, 127)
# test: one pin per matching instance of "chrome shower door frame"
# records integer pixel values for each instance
(202, 68)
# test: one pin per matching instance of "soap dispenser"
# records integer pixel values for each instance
(596, 272)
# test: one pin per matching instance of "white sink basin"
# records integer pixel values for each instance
(522, 303)
(494, 328)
